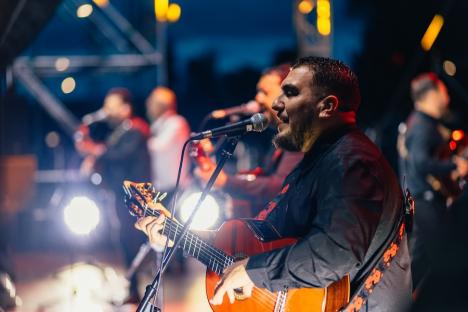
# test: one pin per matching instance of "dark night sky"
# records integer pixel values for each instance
(218, 49)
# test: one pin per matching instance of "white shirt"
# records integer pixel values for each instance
(168, 134)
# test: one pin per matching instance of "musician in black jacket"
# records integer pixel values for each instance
(343, 200)
(123, 155)
(425, 168)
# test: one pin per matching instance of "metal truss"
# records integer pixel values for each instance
(118, 30)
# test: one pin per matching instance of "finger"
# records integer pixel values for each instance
(153, 228)
(247, 290)
(160, 219)
(218, 296)
(143, 222)
(230, 293)
(160, 207)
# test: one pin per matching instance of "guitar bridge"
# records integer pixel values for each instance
(281, 300)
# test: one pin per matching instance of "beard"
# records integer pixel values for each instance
(299, 136)
(286, 141)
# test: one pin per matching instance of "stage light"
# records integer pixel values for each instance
(432, 32)
(458, 135)
(323, 17)
(68, 85)
(101, 3)
(452, 145)
(81, 215)
(449, 68)
(88, 287)
(62, 64)
(173, 13)
(305, 6)
(207, 214)
(160, 9)
(84, 10)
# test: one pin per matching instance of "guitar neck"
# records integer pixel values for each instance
(215, 259)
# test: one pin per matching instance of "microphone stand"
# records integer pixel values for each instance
(152, 289)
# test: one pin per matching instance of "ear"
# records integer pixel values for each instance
(328, 106)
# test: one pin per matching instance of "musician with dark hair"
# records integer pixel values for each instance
(123, 154)
(259, 185)
(342, 201)
(424, 166)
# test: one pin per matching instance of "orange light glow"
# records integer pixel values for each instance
(323, 17)
(324, 26)
(101, 3)
(305, 6)
(457, 135)
(173, 13)
(160, 9)
(432, 32)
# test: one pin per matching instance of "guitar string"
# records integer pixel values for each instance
(267, 298)
(213, 252)
(223, 259)
(270, 296)
(220, 256)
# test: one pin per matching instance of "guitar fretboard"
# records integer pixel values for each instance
(215, 259)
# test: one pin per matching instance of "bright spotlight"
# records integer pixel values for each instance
(62, 64)
(81, 215)
(207, 214)
(68, 85)
(84, 10)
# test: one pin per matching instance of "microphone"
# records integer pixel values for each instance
(93, 117)
(250, 107)
(257, 123)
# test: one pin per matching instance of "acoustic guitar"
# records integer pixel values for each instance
(237, 239)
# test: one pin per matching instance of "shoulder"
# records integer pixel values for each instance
(177, 121)
(140, 126)
(355, 166)
(355, 148)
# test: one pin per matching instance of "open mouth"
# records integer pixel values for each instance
(283, 119)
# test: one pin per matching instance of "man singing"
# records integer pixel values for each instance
(342, 201)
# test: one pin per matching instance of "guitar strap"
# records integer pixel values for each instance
(374, 276)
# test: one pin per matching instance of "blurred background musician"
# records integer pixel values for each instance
(121, 155)
(424, 163)
(260, 184)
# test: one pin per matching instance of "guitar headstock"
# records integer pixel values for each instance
(141, 198)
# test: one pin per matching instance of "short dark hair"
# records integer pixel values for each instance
(281, 70)
(124, 94)
(422, 84)
(333, 76)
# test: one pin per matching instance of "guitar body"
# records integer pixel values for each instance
(243, 238)
(237, 239)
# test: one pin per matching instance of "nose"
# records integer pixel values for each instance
(278, 105)
(259, 98)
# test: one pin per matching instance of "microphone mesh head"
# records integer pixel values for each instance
(259, 122)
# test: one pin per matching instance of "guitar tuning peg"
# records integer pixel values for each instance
(156, 197)
(163, 195)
